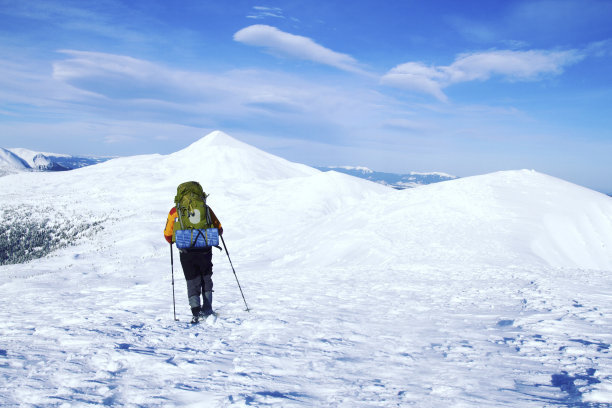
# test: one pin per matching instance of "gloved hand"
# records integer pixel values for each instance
(220, 231)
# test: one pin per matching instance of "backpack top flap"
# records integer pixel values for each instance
(188, 187)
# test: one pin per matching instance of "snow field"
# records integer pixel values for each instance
(355, 339)
(460, 294)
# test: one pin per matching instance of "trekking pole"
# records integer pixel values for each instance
(172, 267)
(233, 270)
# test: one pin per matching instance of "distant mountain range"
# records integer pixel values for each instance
(395, 180)
(17, 159)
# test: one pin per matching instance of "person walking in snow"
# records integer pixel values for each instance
(191, 214)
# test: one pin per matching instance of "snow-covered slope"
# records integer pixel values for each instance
(10, 163)
(506, 218)
(482, 291)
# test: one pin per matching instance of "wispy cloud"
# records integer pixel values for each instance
(121, 77)
(79, 17)
(507, 64)
(600, 48)
(125, 86)
(262, 12)
(296, 46)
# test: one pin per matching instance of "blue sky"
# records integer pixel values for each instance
(463, 87)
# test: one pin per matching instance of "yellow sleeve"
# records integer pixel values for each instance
(169, 230)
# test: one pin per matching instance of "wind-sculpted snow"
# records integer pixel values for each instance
(488, 291)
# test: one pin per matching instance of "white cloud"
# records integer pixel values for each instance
(295, 46)
(415, 76)
(508, 64)
(514, 65)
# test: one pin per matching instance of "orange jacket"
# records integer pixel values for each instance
(172, 218)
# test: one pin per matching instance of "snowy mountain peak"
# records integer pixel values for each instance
(217, 138)
(214, 142)
(218, 156)
(220, 137)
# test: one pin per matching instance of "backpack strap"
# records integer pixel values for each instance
(201, 234)
(208, 219)
(210, 223)
(178, 210)
(198, 234)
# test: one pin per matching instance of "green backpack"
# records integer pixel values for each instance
(191, 208)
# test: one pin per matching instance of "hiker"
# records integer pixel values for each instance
(196, 255)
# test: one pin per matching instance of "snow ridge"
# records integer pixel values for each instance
(11, 163)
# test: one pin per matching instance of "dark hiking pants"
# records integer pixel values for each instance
(197, 267)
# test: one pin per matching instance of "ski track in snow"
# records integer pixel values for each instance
(445, 307)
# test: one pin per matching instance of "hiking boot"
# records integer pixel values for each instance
(195, 311)
(207, 304)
